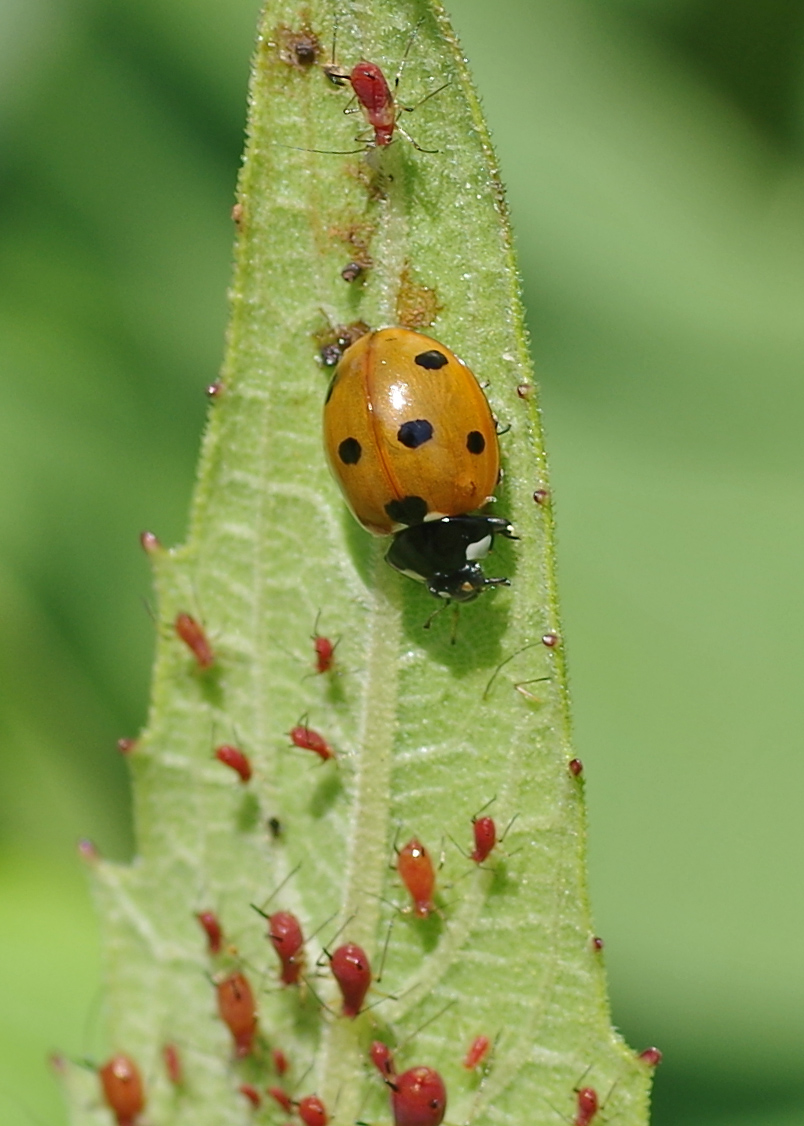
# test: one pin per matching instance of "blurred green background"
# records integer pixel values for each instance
(653, 154)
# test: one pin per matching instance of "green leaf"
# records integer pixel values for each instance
(427, 731)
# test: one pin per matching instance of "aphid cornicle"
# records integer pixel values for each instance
(412, 442)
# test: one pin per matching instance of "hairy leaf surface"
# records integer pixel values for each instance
(429, 725)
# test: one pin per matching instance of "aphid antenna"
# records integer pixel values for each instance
(388, 902)
(334, 73)
(321, 926)
(529, 695)
(289, 876)
(463, 853)
(338, 932)
(404, 59)
(554, 1108)
(502, 664)
(578, 1082)
(325, 152)
(216, 978)
(385, 948)
(482, 809)
(412, 109)
(149, 610)
(505, 831)
(323, 1005)
(394, 849)
(436, 1016)
(91, 1017)
(383, 998)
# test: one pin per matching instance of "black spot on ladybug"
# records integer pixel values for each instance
(475, 442)
(349, 451)
(432, 360)
(415, 433)
(409, 510)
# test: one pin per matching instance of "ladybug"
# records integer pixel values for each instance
(412, 442)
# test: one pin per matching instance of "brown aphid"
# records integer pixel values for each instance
(123, 1093)
(417, 305)
(299, 49)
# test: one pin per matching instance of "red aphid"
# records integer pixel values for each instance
(126, 746)
(383, 1059)
(281, 1097)
(173, 1065)
(312, 1111)
(285, 933)
(238, 1012)
(418, 875)
(485, 834)
(88, 851)
(150, 542)
(193, 636)
(575, 767)
(651, 1056)
(280, 1061)
(587, 1106)
(234, 758)
(122, 1088)
(324, 653)
(352, 971)
(478, 1050)
(252, 1094)
(374, 95)
(212, 929)
(309, 740)
(418, 1097)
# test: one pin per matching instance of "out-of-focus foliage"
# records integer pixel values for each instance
(653, 153)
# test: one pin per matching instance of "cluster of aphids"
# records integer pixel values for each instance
(417, 1095)
(412, 442)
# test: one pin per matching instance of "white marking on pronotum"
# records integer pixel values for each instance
(478, 550)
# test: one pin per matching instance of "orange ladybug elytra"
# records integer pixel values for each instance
(412, 442)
